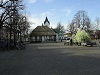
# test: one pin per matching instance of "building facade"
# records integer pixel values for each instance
(43, 33)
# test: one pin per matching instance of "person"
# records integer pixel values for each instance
(71, 42)
(61, 40)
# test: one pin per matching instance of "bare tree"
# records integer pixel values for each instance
(71, 28)
(97, 23)
(10, 10)
(4, 12)
(12, 23)
(81, 20)
(23, 25)
(60, 27)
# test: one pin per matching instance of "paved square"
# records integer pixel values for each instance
(51, 59)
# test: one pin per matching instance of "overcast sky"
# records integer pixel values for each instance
(59, 10)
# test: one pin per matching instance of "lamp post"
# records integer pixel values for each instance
(61, 35)
(7, 39)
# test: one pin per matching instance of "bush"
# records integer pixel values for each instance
(81, 36)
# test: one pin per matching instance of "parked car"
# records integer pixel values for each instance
(88, 43)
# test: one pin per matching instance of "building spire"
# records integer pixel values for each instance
(46, 20)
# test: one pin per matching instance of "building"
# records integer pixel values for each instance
(43, 33)
(59, 35)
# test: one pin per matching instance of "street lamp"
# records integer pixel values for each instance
(7, 38)
(61, 35)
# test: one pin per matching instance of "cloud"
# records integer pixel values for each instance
(38, 19)
(67, 12)
(35, 21)
(32, 1)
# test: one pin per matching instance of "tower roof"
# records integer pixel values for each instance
(46, 20)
